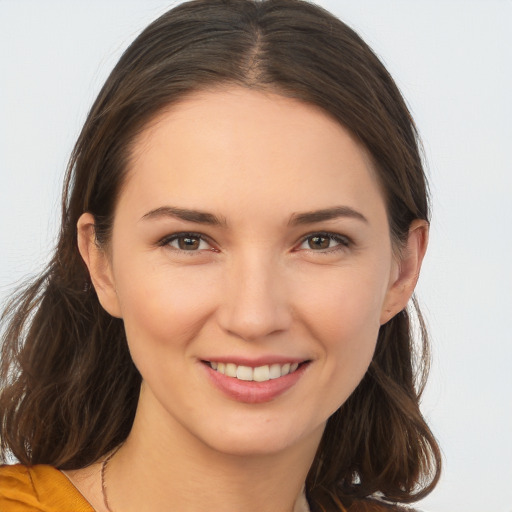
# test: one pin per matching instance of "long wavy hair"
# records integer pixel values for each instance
(69, 388)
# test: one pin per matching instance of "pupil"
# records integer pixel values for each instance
(188, 244)
(319, 242)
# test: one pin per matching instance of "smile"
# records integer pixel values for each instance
(258, 374)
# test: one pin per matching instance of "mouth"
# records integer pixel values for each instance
(254, 374)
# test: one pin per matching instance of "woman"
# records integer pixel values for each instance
(224, 323)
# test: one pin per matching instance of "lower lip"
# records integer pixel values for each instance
(252, 392)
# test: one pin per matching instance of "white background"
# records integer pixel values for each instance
(453, 62)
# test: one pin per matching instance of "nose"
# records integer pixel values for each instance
(255, 303)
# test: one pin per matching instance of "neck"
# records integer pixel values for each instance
(167, 465)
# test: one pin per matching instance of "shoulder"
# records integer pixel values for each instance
(38, 488)
(17, 490)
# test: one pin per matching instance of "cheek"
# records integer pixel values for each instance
(344, 301)
(342, 312)
(160, 308)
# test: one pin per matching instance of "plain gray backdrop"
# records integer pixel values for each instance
(453, 62)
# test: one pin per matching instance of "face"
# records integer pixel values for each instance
(252, 265)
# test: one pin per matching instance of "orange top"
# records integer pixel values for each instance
(42, 488)
(38, 488)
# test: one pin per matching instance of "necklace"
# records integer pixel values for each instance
(301, 506)
(103, 485)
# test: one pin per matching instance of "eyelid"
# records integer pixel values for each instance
(344, 241)
(166, 241)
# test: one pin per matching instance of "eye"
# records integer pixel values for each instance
(190, 242)
(324, 242)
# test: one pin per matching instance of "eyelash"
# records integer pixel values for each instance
(342, 241)
(166, 242)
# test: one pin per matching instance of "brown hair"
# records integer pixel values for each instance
(68, 386)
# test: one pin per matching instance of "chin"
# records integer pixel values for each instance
(264, 441)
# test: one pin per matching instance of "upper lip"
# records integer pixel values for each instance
(256, 362)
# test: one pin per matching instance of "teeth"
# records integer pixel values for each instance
(261, 374)
(258, 374)
(244, 373)
(230, 370)
(275, 371)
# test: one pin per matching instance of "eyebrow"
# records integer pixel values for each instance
(296, 219)
(326, 214)
(185, 214)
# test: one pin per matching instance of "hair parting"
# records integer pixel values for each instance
(68, 386)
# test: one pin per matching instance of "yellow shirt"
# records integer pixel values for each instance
(38, 488)
(43, 488)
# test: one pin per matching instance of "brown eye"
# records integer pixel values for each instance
(188, 243)
(325, 242)
(319, 242)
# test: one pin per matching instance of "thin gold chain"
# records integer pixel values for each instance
(304, 507)
(103, 484)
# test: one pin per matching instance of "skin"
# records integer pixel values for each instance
(258, 285)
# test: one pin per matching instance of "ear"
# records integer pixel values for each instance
(98, 262)
(406, 274)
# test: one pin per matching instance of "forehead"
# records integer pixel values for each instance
(235, 146)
